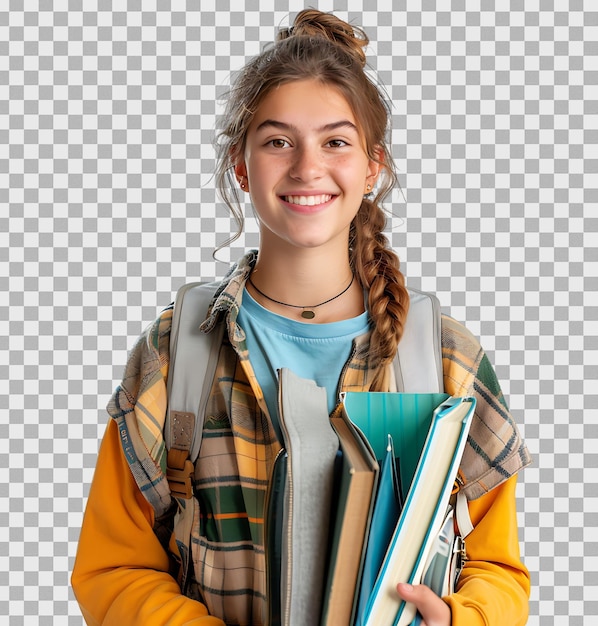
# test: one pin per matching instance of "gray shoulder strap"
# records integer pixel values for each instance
(193, 360)
(418, 367)
(418, 363)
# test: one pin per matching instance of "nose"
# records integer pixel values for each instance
(307, 164)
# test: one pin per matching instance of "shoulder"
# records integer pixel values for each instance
(149, 358)
(462, 355)
(154, 340)
(495, 449)
(456, 333)
(147, 364)
(466, 363)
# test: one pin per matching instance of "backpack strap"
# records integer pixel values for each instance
(418, 368)
(193, 360)
(464, 523)
(418, 362)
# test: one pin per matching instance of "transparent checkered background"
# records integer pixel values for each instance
(107, 205)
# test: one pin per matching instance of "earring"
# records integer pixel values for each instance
(242, 182)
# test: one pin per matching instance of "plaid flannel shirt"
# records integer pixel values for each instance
(239, 444)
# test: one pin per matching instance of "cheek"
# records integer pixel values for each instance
(355, 169)
(263, 169)
(354, 181)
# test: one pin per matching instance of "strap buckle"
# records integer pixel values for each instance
(180, 481)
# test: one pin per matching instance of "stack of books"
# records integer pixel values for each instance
(400, 456)
(381, 513)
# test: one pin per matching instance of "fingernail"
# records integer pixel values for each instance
(407, 586)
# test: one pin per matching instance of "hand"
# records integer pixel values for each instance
(434, 611)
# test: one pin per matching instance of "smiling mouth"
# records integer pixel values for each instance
(308, 200)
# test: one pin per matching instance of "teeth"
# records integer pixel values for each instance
(308, 200)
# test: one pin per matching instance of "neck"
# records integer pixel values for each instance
(306, 278)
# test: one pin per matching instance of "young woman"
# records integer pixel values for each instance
(304, 136)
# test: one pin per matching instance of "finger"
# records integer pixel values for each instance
(434, 611)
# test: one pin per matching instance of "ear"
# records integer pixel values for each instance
(241, 175)
(374, 169)
(235, 155)
(240, 169)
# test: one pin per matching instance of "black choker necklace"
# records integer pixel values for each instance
(307, 312)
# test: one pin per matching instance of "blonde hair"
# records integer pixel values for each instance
(320, 46)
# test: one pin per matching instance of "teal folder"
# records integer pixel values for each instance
(406, 417)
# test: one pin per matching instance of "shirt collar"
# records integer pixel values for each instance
(227, 298)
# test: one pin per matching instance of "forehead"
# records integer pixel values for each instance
(305, 103)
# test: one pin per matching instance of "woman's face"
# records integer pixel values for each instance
(306, 166)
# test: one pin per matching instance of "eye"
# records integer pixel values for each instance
(278, 143)
(337, 143)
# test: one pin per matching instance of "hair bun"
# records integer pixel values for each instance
(314, 23)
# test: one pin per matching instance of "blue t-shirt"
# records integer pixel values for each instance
(313, 351)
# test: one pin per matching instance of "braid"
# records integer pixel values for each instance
(377, 267)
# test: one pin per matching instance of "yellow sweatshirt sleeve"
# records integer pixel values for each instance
(120, 574)
(494, 586)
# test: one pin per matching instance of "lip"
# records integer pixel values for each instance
(314, 202)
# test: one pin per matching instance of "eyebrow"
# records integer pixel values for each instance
(325, 128)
